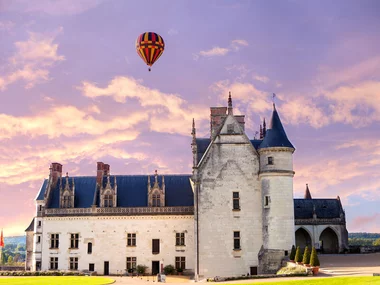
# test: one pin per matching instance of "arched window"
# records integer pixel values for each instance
(108, 200)
(156, 202)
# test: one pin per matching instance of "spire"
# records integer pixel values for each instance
(275, 135)
(108, 180)
(264, 128)
(155, 179)
(261, 132)
(230, 110)
(307, 193)
(193, 133)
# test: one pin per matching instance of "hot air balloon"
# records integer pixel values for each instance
(150, 47)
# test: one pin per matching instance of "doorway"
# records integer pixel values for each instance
(106, 268)
(155, 267)
(253, 270)
(38, 265)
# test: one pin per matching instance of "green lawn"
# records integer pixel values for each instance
(322, 281)
(56, 280)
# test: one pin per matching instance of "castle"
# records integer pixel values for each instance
(235, 214)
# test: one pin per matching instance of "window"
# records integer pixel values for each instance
(66, 201)
(131, 240)
(108, 201)
(266, 201)
(180, 262)
(54, 241)
(74, 240)
(236, 240)
(91, 267)
(156, 202)
(180, 239)
(39, 224)
(131, 263)
(40, 208)
(230, 128)
(236, 200)
(53, 263)
(155, 246)
(270, 160)
(38, 239)
(89, 248)
(73, 263)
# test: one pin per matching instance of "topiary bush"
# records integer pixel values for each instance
(306, 256)
(141, 269)
(298, 257)
(169, 269)
(314, 260)
(292, 253)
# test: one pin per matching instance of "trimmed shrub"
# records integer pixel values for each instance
(292, 253)
(169, 269)
(141, 269)
(306, 256)
(298, 257)
(314, 261)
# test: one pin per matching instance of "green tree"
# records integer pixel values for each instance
(10, 260)
(292, 253)
(376, 242)
(306, 256)
(298, 257)
(314, 261)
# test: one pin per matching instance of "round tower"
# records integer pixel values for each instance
(276, 178)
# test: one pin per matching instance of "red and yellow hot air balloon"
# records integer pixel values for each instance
(150, 47)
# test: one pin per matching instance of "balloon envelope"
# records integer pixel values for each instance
(150, 47)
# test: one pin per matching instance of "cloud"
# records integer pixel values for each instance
(6, 26)
(172, 32)
(32, 60)
(53, 8)
(262, 79)
(167, 112)
(363, 223)
(235, 45)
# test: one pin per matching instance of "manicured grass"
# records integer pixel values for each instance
(371, 280)
(56, 280)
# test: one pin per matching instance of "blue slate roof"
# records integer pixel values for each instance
(275, 135)
(31, 226)
(41, 193)
(324, 208)
(132, 190)
(202, 145)
(256, 143)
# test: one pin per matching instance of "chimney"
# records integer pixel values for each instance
(100, 172)
(217, 114)
(106, 169)
(56, 172)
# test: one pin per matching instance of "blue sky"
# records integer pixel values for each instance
(74, 90)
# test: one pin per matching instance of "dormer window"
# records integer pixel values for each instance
(270, 160)
(67, 193)
(156, 192)
(156, 200)
(66, 200)
(108, 200)
(108, 193)
(230, 128)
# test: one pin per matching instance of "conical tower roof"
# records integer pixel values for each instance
(307, 193)
(275, 135)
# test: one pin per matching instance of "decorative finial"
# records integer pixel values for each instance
(261, 132)
(264, 128)
(67, 174)
(273, 96)
(230, 112)
(155, 172)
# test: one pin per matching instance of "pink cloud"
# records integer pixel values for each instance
(366, 223)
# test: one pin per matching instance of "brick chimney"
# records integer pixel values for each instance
(217, 114)
(106, 169)
(56, 172)
(100, 172)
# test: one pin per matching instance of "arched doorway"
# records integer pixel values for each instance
(303, 238)
(329, 241)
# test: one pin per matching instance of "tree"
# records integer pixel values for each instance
(376, 242)
(298, 257)
(306, 256)
(314, 261)
(10, 259)
(292, 253)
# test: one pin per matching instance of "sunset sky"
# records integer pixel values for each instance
(73, 90)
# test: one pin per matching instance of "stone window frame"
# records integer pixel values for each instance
(74, 240)
(270, 160)
(237, 240)
(66, 197)
(180, 239)
(54, 241)
(89, 248)
(156, 199)
(180, 262)
(73, 263)
(236, 198)
(155, 246)
(267, 201)
(131, 239)
(108, 199)
(131, 263)
(39, 223)
(38, 239)
(91, 265)
(53, 264)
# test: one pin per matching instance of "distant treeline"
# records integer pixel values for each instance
(364, 239)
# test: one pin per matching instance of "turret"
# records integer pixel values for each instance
(276, 176)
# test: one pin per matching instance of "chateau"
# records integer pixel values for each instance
(235, 214)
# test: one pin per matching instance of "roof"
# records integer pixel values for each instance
(41, 193)
(275, 135)
(202, 145)
(324, 208)
(132, 190)
(307, 193)
(31, 226)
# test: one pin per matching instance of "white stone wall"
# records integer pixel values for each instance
(108, 235)
(231, 166)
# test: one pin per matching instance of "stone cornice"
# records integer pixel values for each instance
(334, 221)
(272, 172)
(276, 148)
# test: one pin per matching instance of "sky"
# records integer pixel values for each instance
(73, 90)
